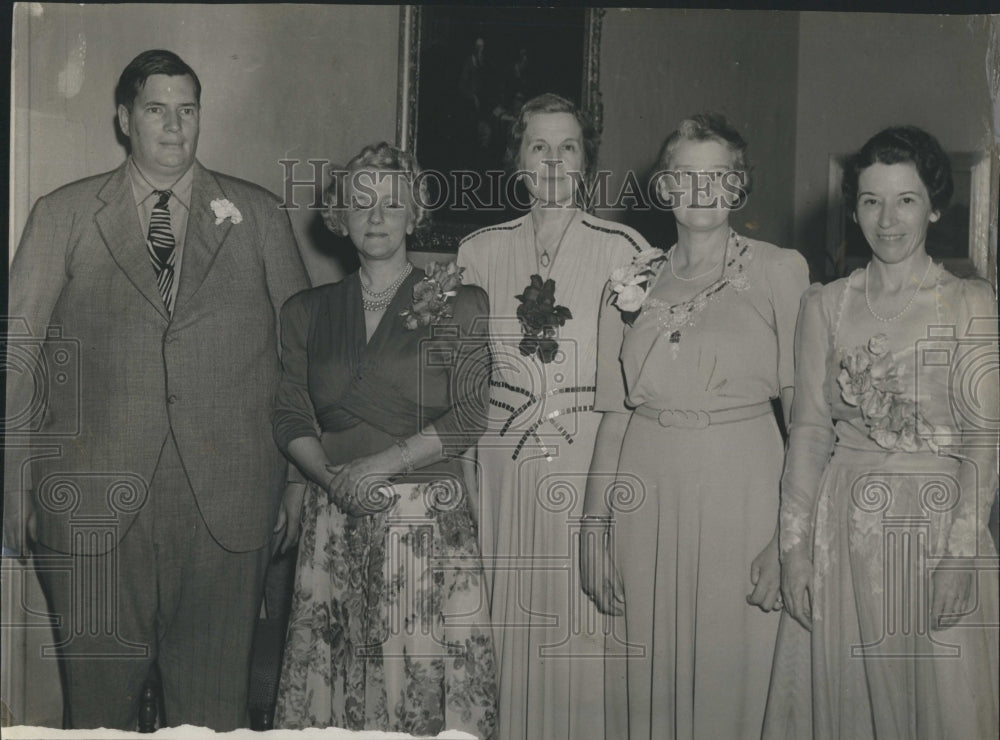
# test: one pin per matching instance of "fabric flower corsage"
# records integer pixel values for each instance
(872, 380)
(432, 295)
(223, 209)
(629, 283)
(540, 316)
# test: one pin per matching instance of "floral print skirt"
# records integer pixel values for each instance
(389, 627)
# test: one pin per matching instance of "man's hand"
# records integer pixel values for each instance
(20, 525)
(286, 530)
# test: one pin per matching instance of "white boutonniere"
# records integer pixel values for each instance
(223, 209)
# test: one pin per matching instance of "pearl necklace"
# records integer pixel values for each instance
(673, 272)
(909, 303)
(372, 301)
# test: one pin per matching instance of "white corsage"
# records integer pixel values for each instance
(629, 283)
(223, 209)
(872, 380)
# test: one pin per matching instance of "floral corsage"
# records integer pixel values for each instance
(223, 209)
(539, 316)
(432, 295)
(872, 380)
(629, 283)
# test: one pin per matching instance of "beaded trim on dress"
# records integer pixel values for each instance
(674, 317)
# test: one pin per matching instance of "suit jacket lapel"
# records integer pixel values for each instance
(203, 238)
(118, 222)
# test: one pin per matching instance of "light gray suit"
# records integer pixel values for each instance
(147, 400)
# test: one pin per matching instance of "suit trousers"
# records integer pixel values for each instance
(167, 593)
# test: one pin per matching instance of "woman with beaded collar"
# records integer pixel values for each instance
(891, 471)
(682, 500)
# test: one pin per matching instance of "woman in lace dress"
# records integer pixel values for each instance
(890, 475)
(535, 454)
(693, 521)
(386, 630)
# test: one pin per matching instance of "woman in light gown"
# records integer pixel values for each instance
(891, 472)
(384, 633)
(535, 454)
(693, 446)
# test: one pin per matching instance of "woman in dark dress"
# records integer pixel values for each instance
(388, 364)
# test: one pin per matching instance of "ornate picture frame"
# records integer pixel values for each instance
(445, 232)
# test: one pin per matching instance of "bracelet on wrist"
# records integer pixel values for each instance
(607, 518)
(404, 451)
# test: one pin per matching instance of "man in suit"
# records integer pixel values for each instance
(140, 461)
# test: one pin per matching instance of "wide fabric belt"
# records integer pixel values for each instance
(697, 419)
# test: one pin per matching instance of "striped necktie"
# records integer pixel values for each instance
(160, 244)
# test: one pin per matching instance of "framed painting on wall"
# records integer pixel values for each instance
(464, 72)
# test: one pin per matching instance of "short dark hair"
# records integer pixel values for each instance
(152, 62)
(710, 126)
(902, 144)
(552, 103)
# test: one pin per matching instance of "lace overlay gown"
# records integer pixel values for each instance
(704, 498)
(879, 510)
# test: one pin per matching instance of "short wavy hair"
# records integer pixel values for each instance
(902, 144)
(381, 157)
(552, 103)
(144, 66)
(709, 126)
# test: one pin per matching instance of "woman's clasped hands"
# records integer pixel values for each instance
(361, 487)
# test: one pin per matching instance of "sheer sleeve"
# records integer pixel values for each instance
(787, 278)
(611, 392)
(974, 389)
(464, 423)
(294, 415)
(811, 432)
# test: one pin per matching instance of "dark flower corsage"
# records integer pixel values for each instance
(539, 316)
(432, 295)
